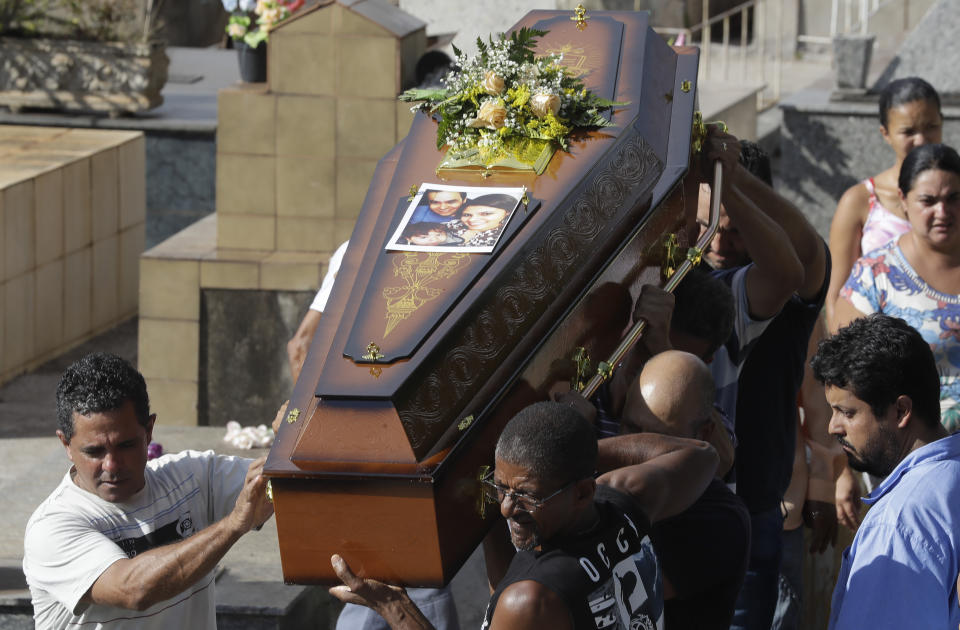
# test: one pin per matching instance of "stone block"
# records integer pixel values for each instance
(48, 193)
(292, 271)
(168, 348)
(244, 231)
(106, 282)
(18, 321)
(366, 128)
(3, 246)
(174, 401)
(19, 225)
(353, 180)
(245, 184)
(306, 126)
(346, 22)
(304, 234)
(237, 255)
(77, 221)
(169, 289)
(219, 274)
(133, 182)
(368, 67)
(104, 194)
(851, 59)
(404, 120)
(305, 187)
(131, 247)
(243, 329)
(3, 346)
(412, 48)
(245, 121)
(77, 286)
(303, 64)
(343, 229)
(922, 52)
(49, 314)
(318, 22)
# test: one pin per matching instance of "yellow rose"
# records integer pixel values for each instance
(544, 103)
(492, 115)
(492, 84)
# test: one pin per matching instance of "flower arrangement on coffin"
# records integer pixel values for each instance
(266, 14)
(507, 107)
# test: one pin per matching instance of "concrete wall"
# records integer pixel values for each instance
(828, 147)
(72, 211)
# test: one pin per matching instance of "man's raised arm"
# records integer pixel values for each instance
(163, 572)
(665, 474)
(776, 272)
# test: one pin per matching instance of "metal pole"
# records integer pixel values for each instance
(726, 48)
(761, 30)
(633, 336)
(705, 38)
(778, 56)
(744, 39)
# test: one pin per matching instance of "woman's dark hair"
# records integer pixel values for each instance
(924, 158)
(504, 202)
(879, 358)
(903, 91)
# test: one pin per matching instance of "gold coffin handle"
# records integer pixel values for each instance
(605, 368)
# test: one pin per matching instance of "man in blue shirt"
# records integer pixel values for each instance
(901, 570)
(442, 206)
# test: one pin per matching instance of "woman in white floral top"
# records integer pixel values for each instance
(917, 276)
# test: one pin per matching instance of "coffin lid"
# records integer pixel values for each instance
(446, 361)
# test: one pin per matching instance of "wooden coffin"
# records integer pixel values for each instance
(397, 410)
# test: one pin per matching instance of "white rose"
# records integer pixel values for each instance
(544, 103)
(492, 84)
(492, 115)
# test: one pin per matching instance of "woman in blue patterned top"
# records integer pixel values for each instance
(917, 276)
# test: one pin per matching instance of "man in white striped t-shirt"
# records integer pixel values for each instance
(126, 542)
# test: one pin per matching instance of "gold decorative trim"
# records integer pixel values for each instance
(581, 362)
(465, 423)
(580, 17)
(418, 270)
(293, 416)
(373, 352)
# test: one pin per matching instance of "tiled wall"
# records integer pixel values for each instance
(173, 275)
(72, 207)
(294, 162)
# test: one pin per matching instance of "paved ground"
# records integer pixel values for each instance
(34, 463)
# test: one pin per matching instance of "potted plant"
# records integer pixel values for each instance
(249, 27)
(81, 55)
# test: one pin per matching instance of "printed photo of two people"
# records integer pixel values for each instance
(455, 218)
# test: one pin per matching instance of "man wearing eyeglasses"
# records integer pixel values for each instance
(573, 536)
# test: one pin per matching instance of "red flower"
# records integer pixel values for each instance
(293, 5)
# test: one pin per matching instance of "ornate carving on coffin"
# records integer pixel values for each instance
(520, 299)
(418, 271)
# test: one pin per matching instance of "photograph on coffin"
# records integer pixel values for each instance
(444, 218)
